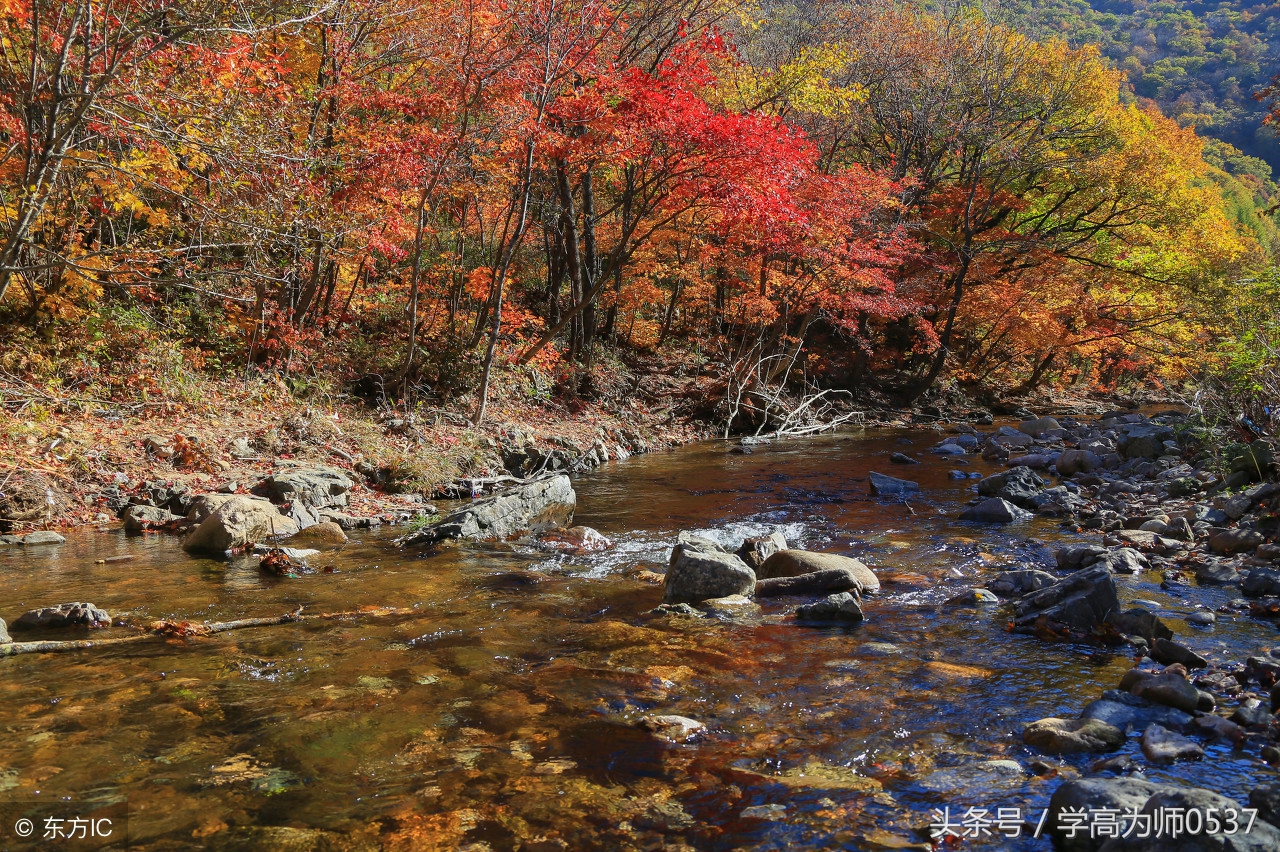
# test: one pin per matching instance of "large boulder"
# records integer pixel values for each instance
(1019, 485)
(1196, 804)
(530, 508)
(1235, 541)
(792, 563)
(1144, 440)
(1071, 736)
(63, 615)
(1073, 557)
(882, 485)
(1090, 795)
(1260, 581)
(1079, 602)
(238, 521)
(994, 510)
(701, 570)
(315, 487)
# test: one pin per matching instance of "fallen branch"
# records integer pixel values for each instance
(188, 630)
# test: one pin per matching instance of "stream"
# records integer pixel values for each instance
(502, 714)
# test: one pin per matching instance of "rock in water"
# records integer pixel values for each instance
(1161, 745)
(698, 572)
(138, 518)
(844, 607)
(63, 615)
(1023, 581)
(792, 563)
(4, 632)
(1038, 426)
(1261, 837)
(882, 485)
(754, 551)
(994, 510)
(238, 521)
(819, 582)
(1169, 688)
(325, 534)
(529, 508)
(43, 537)
(676, 729)
(1081, 602)
(1070, 736)
(1091, 795)
(315, 487)
(1071, 462)
(1019, 485)
(903, 458)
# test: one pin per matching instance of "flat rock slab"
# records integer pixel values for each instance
(530, 508)
(1072, 736)
(1161, 745)
(63, 615)
(882, 485)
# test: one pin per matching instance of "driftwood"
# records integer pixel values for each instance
(829, 580)
(188, 630)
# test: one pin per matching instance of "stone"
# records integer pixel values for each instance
(994, 510)
(754, 551)
(314, 487)
(1129, 713)
(1168, 652)
(240, 448)
(42, 537)
(1140, 621)
(62, 615)
(696, 573)
(1202, 618)
(1018, 485)
(1072, 736)
(530, 508)
(4, 632)
(882, 485)
(1230, 836)
(1235, 541)
(324, 534)
(138, 518)
(973, 597)
(1217, 574)
(1038, 426)
(1266, 799)
(348, 522)
(985, 775)
(947, 448)
(729, 608)
(903, 458)
(238, 521)
(1071, 462)
(1169, 688)
(1260, 581)
(769, 812)
(1089, 795)
(1124, 560)
(1251, 713)
(672, 728)
(817, 582)
(791, 563)
(1080, 602)
(843, 607)
(1015, 584)
(1073, 557)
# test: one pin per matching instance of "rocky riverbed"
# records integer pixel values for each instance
(818, 642)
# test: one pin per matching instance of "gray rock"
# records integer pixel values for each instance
(994, 510)
(1124, 560)
(1130, 713)
(1217, 574)
(817, 582)
(947, 448)
(240, 448)
(1235, 541)
(1168, 652)
(1015, 584)
(754, 551)
(792, 563)
(903, 458)
(138, 518)
(1073, 557)
(882, 485)
(1071, 462)
(1139, 621)
(980, 775)
(530, 508)
(1261, 581)
(1018, 485)
(314, 487)
(843, 607)
(1072, 736)
(1092, 795)
(1250, 713)
(676, 729)
(1202, 618)
(1262, 836)
(696, 573)
(1081, 602)
(42, 537)
(4, 632)
(239, 520)
(1038, 426)
(1266, 798)
(973, 597)
(63, 615)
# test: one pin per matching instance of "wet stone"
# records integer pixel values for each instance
(1161, 745)
(63, 615)
(1070, 736)
(841, 608)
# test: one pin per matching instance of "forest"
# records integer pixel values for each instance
(434, 204)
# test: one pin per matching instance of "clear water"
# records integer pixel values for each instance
(501, 714)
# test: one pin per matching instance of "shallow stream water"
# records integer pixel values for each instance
(501, 713)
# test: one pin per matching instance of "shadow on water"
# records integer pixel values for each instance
(504, 710)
